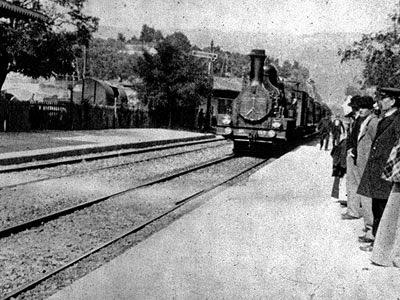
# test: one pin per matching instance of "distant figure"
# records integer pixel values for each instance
(200, 120)
(338, 154)
(324, 129)
(337, 130)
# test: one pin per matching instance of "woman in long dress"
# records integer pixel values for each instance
(386, 250)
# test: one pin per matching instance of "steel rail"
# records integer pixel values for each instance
(100, 169)
(69, 161)
(178, 205)
(46, 218)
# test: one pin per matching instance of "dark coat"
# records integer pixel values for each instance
(387, 134)
(338, 154)
(324, 127)
(338, 129)
(353, 136)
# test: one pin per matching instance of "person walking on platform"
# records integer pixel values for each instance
(200, 120)
(324, 129)
(353, 210)
(365, 137)
(337, 130)
(387, 134)
(338, 154)
(386, 250)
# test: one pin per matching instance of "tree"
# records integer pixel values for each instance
(158, 36)
(108, 59)
(147, 34)
(174, 82)
(38, 48)
(380, 54)
(121, 37)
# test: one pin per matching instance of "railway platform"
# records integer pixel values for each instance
(278, 235)
(24, 147)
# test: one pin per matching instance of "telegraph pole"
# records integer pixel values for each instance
(211, 57)
(209, 97)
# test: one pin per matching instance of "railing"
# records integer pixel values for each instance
(49, 116)
(26, 116)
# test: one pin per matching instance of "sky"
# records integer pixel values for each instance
(280, 16)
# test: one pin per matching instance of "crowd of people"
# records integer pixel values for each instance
(369, 155)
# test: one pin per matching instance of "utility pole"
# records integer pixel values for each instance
(83, 75)
(211, 57)
(211, 80)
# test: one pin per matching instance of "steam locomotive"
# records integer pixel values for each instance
(270, 111)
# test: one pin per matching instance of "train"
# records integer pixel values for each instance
(270, 110)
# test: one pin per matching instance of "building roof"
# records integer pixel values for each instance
(227, 84)
(8, 10)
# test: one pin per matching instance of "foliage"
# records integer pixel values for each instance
(238, 65)
(36, 48)
(294, 71)
(149, 34)
(380, 54)
(121, 37)
(174, 82)
(107, 59)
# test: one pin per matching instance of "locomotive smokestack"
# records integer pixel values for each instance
(257, 57)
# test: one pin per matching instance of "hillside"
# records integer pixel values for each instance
(318, 52)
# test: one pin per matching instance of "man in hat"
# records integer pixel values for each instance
(353, 179)
(324, 129)
(365, 137)
(387, 134)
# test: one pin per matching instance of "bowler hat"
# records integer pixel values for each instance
(354, 101)
(366, 102)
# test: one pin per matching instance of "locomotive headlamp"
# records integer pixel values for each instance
(271, 133)
(276, 124)
(262, 133)
(226, 120)
(228, 130)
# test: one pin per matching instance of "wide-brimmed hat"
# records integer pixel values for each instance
(366, 102)
(389, 92)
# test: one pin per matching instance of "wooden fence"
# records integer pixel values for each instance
(27, 116)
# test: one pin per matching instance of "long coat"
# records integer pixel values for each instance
(387, 134)
(324, 127)
(386, 250)
(365, 138)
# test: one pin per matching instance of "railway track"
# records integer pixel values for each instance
(178, 203)
(69, 210)
(113, 165)
(92, 157)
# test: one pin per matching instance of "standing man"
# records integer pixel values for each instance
(353, 179)
(364, 142)
(324, 129)
(387, 134)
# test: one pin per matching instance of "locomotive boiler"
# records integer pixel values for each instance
(269, 111)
